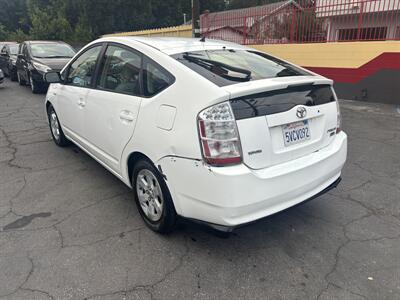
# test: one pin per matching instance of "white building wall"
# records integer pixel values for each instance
(336, 23)
(331, 8)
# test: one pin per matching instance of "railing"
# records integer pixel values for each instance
(175, 31)
(306, 21)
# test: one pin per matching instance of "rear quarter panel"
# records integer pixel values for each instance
(188, 95)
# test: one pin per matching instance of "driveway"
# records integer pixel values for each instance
(70, 230)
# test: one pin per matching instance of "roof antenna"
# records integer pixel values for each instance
(203, 39)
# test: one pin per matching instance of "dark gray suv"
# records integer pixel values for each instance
(35, 58)
(8, 60)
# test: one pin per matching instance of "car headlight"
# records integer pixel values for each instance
(41, 67)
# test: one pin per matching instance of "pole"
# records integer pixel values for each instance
(196, 18)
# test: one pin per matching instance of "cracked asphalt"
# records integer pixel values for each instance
(70, 230)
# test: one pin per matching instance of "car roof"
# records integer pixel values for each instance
(5, 43)
(172, 45)
(45, 42)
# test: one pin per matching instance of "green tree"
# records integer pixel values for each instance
(18, 36)
(49, 25)
(83, 20)
(82, 33)
(3, 32)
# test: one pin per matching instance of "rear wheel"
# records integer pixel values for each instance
(13, 75)
(55, 128)
(153, 197)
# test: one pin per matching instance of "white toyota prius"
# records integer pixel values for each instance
(207, 130)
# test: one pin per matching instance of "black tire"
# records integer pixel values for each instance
(21, 81)
(59, 139)
(168, 217)
(36, 87)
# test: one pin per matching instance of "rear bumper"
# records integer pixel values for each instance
(232, 196)
(225, 228)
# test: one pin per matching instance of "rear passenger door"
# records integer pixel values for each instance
(112, 107)
(22, 63)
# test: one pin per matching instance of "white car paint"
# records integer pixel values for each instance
(111, 127)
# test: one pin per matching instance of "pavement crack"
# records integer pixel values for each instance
(25, 280)
(69, 215)
(360, 186)
(10, 202)
(149, 287)
(346, 242)
(101, 240)
(13, 148)
(62, 245)
(47, 294)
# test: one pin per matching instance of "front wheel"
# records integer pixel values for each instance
(153, 198)
(55, 128)
(35, 86)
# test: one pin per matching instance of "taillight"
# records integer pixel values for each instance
(339, 118)
(219, 136)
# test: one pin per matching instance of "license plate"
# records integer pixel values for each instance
(295, 133)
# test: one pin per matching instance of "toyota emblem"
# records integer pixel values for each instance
(301, 112)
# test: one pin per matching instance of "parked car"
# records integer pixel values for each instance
(3, 43)
(38, 57)
(1, 76)
(8, 60)
(206, 130)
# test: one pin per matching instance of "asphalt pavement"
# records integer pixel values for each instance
(70, 230)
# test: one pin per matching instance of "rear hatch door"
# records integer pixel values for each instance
(281, 119)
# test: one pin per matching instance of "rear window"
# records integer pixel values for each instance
(227, 66)
(277, 101)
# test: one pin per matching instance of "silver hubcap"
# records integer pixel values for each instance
(55, 127)
(31, 81)
(150, 195)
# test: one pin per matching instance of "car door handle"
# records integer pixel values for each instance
(127, 116)
(81, 102)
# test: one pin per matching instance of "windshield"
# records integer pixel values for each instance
(14, 49)
(52, 51)
(225, 67)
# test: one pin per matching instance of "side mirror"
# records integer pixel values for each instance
(52, 77)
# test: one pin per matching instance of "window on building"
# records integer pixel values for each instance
(362, 34)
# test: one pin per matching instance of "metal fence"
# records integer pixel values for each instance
(306, 21)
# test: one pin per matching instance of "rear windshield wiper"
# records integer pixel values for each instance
(287, 72)
(220, 68)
